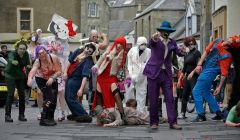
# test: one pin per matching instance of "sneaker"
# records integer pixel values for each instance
(175, 126)
(182, 116)
(199, 119)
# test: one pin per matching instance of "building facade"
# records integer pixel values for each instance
(19, 18)
(94, 15)
(147, 21)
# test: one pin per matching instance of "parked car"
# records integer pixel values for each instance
(3, 85)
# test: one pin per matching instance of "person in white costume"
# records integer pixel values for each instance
(137, 59)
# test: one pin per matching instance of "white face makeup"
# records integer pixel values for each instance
(21, 49)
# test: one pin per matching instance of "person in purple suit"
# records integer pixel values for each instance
(159, 74)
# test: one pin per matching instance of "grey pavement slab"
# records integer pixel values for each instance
(68, 130)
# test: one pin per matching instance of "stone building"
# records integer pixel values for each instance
(20, 17)
(149, 19)
(94, 15)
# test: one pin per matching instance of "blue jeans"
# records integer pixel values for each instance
(71, 88)
(202, 91)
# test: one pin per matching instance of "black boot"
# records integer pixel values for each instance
(8, 114)
(8, 118)
(43, 120)
(159, 107)
(219, 116)
(51, 121)
(22, 118)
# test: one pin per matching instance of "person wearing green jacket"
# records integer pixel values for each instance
(15, 72)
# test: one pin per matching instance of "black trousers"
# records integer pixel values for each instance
(11, 85)
(187, 90)
(49, 94)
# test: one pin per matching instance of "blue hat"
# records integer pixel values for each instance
(166, 26)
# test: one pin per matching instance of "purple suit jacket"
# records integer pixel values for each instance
(154, 64)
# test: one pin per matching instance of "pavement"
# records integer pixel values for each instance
(69, 130)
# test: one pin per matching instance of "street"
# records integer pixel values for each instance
(68, 130)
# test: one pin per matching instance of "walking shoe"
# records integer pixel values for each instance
(175, 126)
(85, 118)
(219, 116)
(199, 118)
(182, 116)
(8, 118)
(154, 126)
(22, 118)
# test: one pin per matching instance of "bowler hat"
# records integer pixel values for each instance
(166, 26)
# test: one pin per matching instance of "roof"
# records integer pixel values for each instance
(164, 5)
(195, 6)
(121, 3)
(119, 27)
(180, 29)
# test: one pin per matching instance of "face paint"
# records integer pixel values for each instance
(21, 49)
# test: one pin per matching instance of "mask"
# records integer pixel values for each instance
(187, 49)
(142, 47)
(192, 47)
(33, 38)
(165, 35)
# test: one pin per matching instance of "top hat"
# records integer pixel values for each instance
(166, 26)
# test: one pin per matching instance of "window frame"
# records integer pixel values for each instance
(96, 9)
(19, 19)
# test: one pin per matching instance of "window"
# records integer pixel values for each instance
(189, 25)
(24, 19)
(92, 10)
(198, 23)
(215, 33)
(221, 31)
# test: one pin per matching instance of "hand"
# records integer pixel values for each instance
(15, 62)
(29, 66)
(94, 70)
(217, 91)
(178, 84)
(50, 81)
(156, 36)
(198, 69)
(238, 125)
(128, 82)
(190, 76)
(65, 76)
(29, 82)
(80, 93)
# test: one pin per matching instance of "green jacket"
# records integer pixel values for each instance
(16, 72)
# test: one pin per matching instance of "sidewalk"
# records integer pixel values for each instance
(67, 130)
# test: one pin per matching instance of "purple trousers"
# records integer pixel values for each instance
(165, 82)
